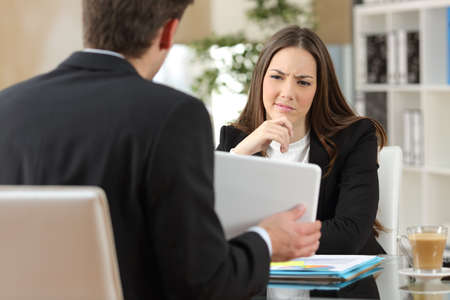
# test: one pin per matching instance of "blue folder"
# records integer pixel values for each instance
(328, 275)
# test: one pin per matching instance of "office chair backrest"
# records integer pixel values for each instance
(56, 243)
(389, 178)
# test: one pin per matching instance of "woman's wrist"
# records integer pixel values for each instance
(241, 149)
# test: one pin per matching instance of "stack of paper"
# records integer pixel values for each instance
(315, 285)
(324, 269)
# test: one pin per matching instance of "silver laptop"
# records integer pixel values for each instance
(250, 188)
(57, 243)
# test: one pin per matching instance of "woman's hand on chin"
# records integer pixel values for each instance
(279, 130)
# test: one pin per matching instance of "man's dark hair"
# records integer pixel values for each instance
(127, 26)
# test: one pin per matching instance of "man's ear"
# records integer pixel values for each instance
(168, 32)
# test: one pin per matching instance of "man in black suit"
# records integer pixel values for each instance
(98, 119)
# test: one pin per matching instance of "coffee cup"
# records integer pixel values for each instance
(430, 296)
(426, 246)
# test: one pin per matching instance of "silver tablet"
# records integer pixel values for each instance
(250, 188)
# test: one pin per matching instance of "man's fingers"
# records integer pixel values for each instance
(297, 211)
(307, 251)
(308, 240)
(308, 228)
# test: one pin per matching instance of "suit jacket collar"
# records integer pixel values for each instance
(96, 61)
(317, 153)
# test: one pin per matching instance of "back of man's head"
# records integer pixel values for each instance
(127, 26)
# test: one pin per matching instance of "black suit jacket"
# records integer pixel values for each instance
(95, 121)
(348, 199)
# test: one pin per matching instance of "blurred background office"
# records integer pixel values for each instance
(391, 58)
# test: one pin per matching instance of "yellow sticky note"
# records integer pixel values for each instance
(291, 263)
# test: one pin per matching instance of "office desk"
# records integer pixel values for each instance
(386, 285)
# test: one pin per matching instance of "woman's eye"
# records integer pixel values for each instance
(304, 83)
(275, 76)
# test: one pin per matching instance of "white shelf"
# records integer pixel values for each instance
(413, 169)
(438, 171)
(373, 87)
(404, 88)
(383, 8)
(427, 170)
(437, 88)
(425, 189)
(391, 87)
(407, 88)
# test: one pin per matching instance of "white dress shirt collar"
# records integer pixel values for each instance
(100, 51)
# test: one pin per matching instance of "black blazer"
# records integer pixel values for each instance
(348, 199)
(95, 121)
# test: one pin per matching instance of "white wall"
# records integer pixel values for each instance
(36, 36)
(229, 16)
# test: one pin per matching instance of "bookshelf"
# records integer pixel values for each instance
(425, 196)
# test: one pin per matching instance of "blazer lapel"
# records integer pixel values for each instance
(319, 156)
(317, 153)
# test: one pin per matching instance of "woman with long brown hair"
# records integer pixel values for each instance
(297, 112)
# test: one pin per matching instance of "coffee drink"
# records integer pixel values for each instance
(427, 297)
(428, 249)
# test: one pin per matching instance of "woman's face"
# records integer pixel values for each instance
(289, 85)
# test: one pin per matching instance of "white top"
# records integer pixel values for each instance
(297, 152)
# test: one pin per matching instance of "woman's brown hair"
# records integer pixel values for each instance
(329, 112)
